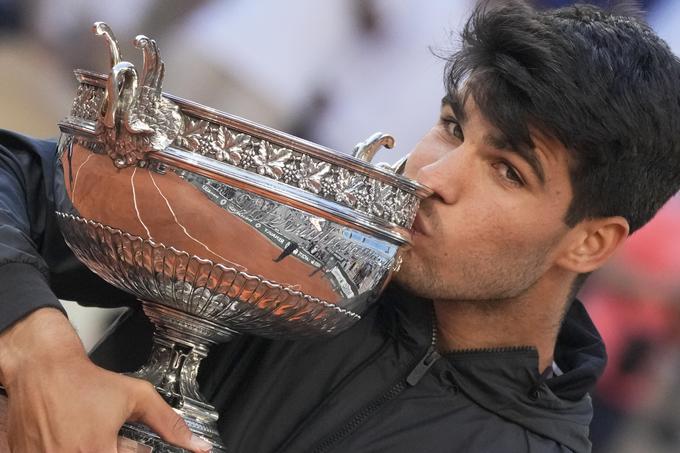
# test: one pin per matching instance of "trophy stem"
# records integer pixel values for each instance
(181, 341)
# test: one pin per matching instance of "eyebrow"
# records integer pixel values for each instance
(453, 100)
(497, 141)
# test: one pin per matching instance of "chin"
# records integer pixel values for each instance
(412, 279)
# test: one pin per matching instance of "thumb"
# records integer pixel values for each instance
(153, 411)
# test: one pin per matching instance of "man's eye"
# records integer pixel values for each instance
(509, 173)
(453, 127)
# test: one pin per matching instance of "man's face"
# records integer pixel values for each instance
(494, 226)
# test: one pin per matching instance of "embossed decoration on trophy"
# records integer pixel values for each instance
(219, 225)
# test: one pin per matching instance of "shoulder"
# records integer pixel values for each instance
(16, 142)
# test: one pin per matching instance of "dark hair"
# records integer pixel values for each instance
(602, 83)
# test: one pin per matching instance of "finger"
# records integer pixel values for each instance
(154, 412)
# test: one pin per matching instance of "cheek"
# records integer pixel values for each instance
(494, 230)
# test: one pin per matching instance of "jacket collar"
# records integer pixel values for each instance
(506, 381)
(579, 351)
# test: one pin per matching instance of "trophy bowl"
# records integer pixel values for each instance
(219, 225)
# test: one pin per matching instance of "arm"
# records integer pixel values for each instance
(51, 383)
(23, 219)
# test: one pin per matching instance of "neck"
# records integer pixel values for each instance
(532, 319)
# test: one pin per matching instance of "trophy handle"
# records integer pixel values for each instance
(366, 150)
(136, 119)
(120, 88)
(103, 29)
(399, 166)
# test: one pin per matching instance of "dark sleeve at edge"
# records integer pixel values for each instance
(23, 289)
(26, 181)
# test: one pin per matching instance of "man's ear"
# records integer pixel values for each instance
(592, 242)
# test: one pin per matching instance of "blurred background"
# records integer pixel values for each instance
(335, 72)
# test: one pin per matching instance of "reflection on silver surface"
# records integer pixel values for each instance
(352, 261)
(218, 225)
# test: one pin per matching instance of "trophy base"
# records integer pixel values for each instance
(138, 439)
(180, 342)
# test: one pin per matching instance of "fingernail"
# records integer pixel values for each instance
(200, 443)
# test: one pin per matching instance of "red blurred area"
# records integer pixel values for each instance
(635, 303)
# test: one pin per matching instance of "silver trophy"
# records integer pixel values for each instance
(219, 225)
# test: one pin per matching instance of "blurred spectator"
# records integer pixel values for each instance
(12, 16)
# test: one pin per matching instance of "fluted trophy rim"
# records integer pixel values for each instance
(349, 314)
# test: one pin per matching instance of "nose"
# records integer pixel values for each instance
(444, 177)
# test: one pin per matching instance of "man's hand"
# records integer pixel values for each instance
(59, 401)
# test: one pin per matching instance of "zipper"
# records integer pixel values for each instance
(429, 359)
(423, 366)
(494, 350)
(360, 417)
(412, 378)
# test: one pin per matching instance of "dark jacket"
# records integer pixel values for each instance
(376, 387)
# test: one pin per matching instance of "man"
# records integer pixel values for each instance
(548, 120)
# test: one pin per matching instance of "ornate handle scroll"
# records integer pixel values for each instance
(136, 119)
(153, 68)
(366, 150)
(398, 167)
(122, 81)
(102, 29)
